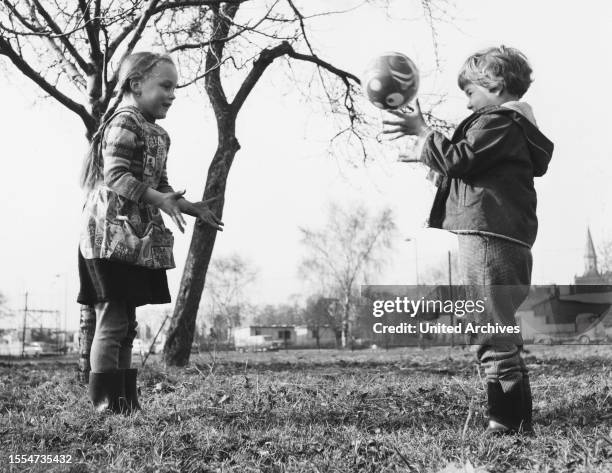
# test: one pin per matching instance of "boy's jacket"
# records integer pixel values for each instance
(488, 168)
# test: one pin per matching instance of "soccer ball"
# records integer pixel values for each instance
(391, 80)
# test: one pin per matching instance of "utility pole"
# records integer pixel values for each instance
(25, 321)
(26, 311)
(413, 240)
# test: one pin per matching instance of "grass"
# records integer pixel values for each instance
(401, 410)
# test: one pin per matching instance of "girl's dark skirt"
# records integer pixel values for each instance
(104, 280)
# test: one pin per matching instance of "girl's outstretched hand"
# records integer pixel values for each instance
(409, 123)
(168, 203)
(203, 212)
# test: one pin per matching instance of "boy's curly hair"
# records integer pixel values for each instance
(494, 67)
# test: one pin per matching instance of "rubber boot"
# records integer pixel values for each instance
(509, 412)
(131, 390)
(527, 405)
(107, 391)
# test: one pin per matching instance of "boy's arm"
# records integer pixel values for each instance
(485, 144)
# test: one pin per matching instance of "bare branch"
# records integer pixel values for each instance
(112, 47)
(149, 12)
(92, 31)
(7, 50)
(434, 34)
(266, 58)
(141, 23)
(20, 17)
(220, 26)
(85, 67)
(45, 33)
(302, 26)
(194, 3)
(344, 75)
(204, 74)
(242, 29)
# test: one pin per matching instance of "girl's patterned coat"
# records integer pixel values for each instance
(116, 223)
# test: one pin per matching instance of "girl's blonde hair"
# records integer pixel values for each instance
(136, 66)
(497, 67)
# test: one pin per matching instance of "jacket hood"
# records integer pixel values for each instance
(540, 147)
(523, 108)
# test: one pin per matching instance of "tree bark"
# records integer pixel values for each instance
(182, 327)
(346, 310)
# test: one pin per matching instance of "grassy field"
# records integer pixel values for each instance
(402, 410)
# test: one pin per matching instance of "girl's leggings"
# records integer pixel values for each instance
(111, 348)
(497, 271)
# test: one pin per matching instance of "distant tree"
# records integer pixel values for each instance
(279, 314)
(604, 258)
(437, 273)
(323, 312)
(5, 312)
(347, 252)
(227, 281)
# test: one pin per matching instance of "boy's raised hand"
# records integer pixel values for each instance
(406, 123)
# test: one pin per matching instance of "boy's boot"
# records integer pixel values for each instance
(509, 412)
(527, 405)
(131, 390)
(107, 391)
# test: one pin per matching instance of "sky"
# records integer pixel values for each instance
(284, 178)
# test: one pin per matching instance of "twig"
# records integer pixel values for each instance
(155, 339)
(403, 458)
(467, 422)
(199, 371)
(482, 383)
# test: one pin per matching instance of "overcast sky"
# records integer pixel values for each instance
(283, 176)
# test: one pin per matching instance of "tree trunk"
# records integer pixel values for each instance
(230, 327)
(345, 322)
(182, 326)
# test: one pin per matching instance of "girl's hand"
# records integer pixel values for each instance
(411, 123)
(200, 210)
(168, 203)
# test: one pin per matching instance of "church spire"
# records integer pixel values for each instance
(590, 257)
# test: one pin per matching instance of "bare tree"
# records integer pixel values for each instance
(280, 314)
(5, 312)
(324, 312)
(249, 45)
(227, 280)
(347, 252)
(604, 258)
(73, 51)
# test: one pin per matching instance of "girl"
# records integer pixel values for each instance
(125, 248)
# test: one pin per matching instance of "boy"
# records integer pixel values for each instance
(487, 197)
